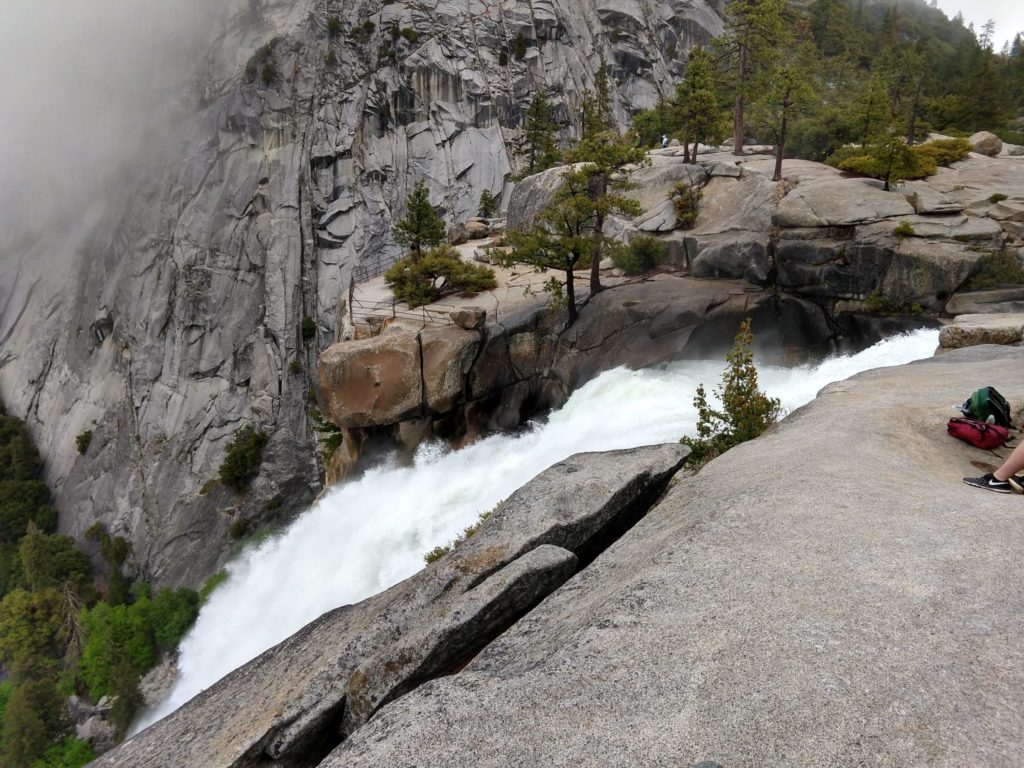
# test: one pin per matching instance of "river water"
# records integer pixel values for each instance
(369, 534)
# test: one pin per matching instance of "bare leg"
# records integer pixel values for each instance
(1014, 463)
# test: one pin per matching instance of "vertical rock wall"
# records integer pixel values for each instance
(167, 315)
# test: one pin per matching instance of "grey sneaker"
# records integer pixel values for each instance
(989, 483)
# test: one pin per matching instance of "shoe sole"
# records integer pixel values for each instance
(1017, 487)
(968, 481)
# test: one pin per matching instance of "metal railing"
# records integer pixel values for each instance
(365, 272)
(433, 314)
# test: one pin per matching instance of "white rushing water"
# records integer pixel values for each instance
(366, 535)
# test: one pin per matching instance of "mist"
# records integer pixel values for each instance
(87, 85)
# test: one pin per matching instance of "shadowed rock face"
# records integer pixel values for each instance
(830, 594)
(167, 316)
(404, 386)
(290, 705)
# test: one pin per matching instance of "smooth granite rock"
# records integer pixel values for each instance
(991, 328)
(828, 595)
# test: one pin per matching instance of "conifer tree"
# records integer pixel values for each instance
(596, 111)
(604, 154)
(752, 29)
(696, 102)
(561, 237)
(539, 131)
(422, 227)
(787, 89)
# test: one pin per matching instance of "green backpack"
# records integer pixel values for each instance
(986, 402)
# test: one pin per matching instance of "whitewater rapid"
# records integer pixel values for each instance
(369, 534)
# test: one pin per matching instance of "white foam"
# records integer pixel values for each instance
(366, 535)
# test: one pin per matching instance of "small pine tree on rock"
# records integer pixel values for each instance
(746, 410)
(421, 228)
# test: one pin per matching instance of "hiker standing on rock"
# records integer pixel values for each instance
(1004, 479)
(664, 141)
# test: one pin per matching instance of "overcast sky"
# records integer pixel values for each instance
(1008, 15)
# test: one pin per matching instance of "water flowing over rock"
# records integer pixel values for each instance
(287, 706)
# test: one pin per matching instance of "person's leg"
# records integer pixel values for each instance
(1004, 479)
(1014, 463)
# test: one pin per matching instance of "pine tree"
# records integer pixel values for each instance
(539, 131)
(752, 29)
(596, 111)
(787, 89)
(560, 239)
(696, 102)
(604, 154)
(421, 228)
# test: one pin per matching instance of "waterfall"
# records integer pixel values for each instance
(371, 533)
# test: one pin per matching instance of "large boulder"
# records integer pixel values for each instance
(986, 143)
(838, 202)
(373, 381)
(991, 328)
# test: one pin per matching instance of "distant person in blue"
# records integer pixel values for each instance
(664, 141)
(1004, 479)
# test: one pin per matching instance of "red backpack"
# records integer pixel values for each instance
(980, 434)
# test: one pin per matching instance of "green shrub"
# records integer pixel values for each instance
(114, 635)
(998, 197)
(996, 269)
(211, 584)
(503, 59)
(410, 35)
(82, 441)
(331, 435)
(262, 63)
(944, 151)
(438, 552)
(239, 529)
(642, 254)
(294, 367)
(687, 204)
(330, 59)
(876, 304)
(70, 753)
(308, 328)
(208, 486)
(519, 46)
(242, 460)
(904, 229)
(172, 614)
(488, 204)
(890, 160)
(438, 272)
(333, 26)
(746, 410)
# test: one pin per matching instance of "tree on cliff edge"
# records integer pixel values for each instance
(752, 29)
(562, 237)
(421, 228)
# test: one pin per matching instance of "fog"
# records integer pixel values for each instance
(84, 85)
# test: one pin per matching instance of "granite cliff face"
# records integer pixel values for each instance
(167, 314)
